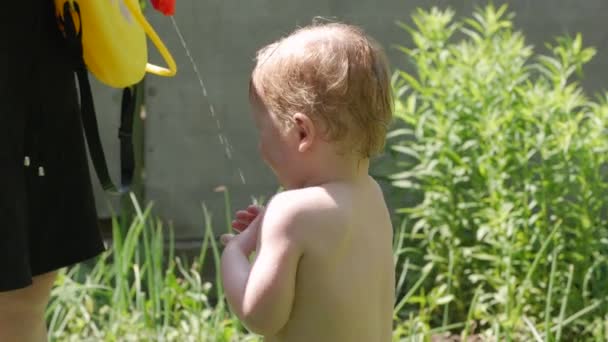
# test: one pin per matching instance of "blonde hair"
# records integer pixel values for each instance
(335, 74)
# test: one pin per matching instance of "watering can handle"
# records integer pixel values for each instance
(151, 68)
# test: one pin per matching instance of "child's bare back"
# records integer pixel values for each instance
(344, 288)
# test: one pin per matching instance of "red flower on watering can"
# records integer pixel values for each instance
(166, 7)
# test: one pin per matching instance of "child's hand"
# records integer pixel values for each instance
(246, 223)
(245, 217)
(248, 238)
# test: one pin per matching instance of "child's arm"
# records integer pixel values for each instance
(262, 294)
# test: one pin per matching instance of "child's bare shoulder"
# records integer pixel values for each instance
(306, 211)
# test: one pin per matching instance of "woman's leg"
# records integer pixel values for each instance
(22, 311)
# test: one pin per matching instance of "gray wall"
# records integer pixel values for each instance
(185, 160)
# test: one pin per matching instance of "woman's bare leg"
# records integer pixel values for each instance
(22, 311)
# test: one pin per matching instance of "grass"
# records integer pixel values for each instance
(139, 290)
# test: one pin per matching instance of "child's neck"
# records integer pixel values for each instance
(342, 169)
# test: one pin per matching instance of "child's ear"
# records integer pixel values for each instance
(305, 129)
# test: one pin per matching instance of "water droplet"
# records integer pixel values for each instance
(242, 176)
(223, 139)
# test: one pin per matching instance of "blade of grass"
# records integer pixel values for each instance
(467, 327)
(527, 280)
(562, 311)
(412, 290)
(549, 294)
(532, 329)
(579, 314)
(446, 308)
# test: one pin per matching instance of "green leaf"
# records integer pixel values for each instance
(406, 150)
(445, 299)
(412, 81)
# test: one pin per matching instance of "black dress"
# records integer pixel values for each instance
(47, 211)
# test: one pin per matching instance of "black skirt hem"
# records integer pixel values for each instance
(55, 265)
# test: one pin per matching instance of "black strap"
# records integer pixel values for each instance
(125, 133)
(91, 131)
(89, 120)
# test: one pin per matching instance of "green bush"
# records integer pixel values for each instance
(505, 158)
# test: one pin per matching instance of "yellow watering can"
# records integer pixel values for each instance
(108, 38)
(113, 34)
